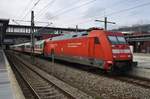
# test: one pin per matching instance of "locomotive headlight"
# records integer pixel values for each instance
(129, 55)
(114, 56)
(109, 62)
(112, 46)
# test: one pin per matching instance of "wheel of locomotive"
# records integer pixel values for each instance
(113, 71)
(129, 67)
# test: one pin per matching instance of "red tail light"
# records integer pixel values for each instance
(108, 64)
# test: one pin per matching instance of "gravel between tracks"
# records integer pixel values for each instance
(96, 85)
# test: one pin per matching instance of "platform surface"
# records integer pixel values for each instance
(5, 87)
(142, 59)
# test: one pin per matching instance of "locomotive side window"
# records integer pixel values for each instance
(96, 40)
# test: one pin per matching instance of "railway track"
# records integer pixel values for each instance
(143, 82)
(134, 80)
(41, 87)
(125, 80)
(24, 86)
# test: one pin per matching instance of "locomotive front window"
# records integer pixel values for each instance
(117, 39)
(113, 39)
(121, 40)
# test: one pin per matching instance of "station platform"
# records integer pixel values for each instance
(9, 88)
(143, 67)
(142, 59)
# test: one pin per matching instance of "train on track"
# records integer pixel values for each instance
(98, 48)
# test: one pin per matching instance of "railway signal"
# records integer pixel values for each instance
(105, 22)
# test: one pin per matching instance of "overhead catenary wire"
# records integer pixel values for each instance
(15, 22)
(28, 21)
(18, 22)
(118, 12)
(86, 3)
(43, 27)
(61, 9)
(35, 4)
(128, 9)
(66, 11)
(47, 5)
(76, 7)
(26, 8)
(112, 6)
(117, 3)
(60, 12)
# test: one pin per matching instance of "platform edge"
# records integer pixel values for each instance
(15, 88)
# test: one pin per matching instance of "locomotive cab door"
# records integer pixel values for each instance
(91, 48)
(95, 52)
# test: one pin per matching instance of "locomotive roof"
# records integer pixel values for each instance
(70, 35)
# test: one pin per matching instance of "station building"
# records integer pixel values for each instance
(138, 36)
(16, 34)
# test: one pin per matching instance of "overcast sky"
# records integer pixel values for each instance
(68, 13)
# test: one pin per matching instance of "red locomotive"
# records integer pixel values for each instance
(98, 48)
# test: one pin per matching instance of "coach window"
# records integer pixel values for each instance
(28, 46)
(96, 40)
(84, 34)
(74, 36)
